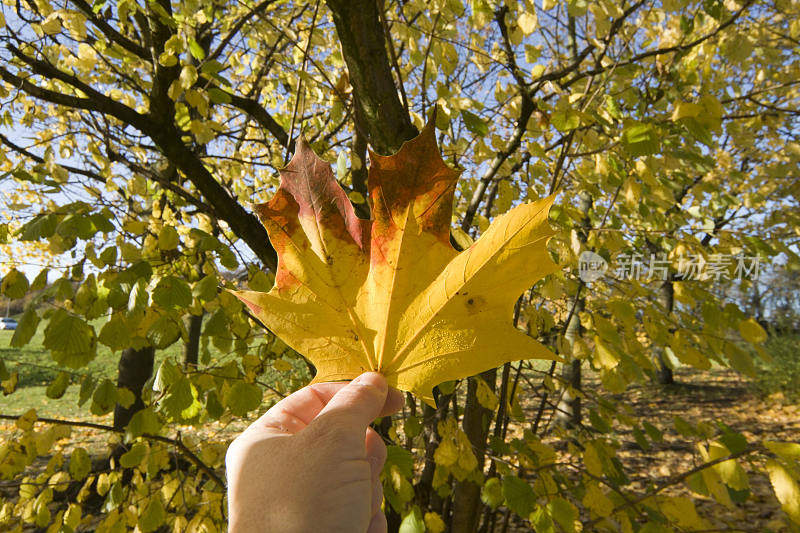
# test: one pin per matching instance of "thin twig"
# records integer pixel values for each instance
(178, 443)
(300, 82)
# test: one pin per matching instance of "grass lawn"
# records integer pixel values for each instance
(37, 369)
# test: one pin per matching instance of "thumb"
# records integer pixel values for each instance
(358, 403)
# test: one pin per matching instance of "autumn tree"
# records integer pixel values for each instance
(137, 136)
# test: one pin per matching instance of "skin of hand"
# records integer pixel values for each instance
(312, 463)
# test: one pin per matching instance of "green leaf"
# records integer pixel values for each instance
(58, 386)
(519, 496)
(76, 225)
(653, 432)
(412, 426)
(61, 289)
(40, 281)
(492, 493)
(641, 139)
(243, 398)
(735, 442)
(206, 288)
(79, 464)
(71, 341)
(162, 13)
(168, 238)
(752, 332)
(104, 398)
(134, 456)
(341, 166)
(216, 325)
(178, 398)
(218, 96)
(740, 360)
(214, 408)
(26, 328)
(683, 427)
(787, 450)
(172, 292)
(143, 422)
(188, 76)
(565, 119)
(212, 67)
(598, 422)
(125, 397)
(227, 258)
(412, 522)
(786, 489)
(474, 123)
(196, 50)
(116, 333)
(640, 439)
(564, 513)
(14, 284)
(260, 282)
(109, 255)
(163, 332)
(138, 297)
(401, 458)
(87, 388)
(113, 498)
(41, 227)
(153, 515)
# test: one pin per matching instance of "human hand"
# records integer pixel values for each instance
(312, 463)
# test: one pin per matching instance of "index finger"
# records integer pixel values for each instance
(297, 410)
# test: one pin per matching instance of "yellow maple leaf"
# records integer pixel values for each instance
(391, 294)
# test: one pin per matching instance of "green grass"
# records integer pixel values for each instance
(37, 369)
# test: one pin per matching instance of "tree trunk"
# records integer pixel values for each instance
(666, 294)
(569, 405)
(467, 494)
(134, 369)
(363, 44)
(568, 409)
(191, 350)
(426, 497)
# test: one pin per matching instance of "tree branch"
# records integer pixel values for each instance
(661, 51)
(363, 46)
(257, 112)
(110, 32)
(99, 102)
(178, 443)
(526, 110)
